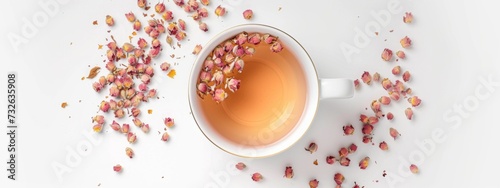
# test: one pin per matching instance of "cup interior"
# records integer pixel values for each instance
(306, 114)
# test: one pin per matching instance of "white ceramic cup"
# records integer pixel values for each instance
(316, 89)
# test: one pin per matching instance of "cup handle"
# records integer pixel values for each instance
(336, 88)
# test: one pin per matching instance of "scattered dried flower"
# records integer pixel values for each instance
(352, 148)
(197, 49)
(288, 172)
(363, 164)
(376, 77)
(394, 133)
(405, 42)
(131, 137)
(390, 116)
(409, 113)
(165, 137)
(401, 54)
(356, 83)
(383, 146)
(348, 129)
(414, 101)
(330, 159)
(109, 20)
(125, 128)
(313, 183)
(385, 100)
(117, 168)
(339, 178)
(414, 169)
(366, 77)
(344, 161)
(220, 11)
(387, 54)
(312, 147)
(240, 166)
(408, 17)
(248, 14)
(169, 122)
(256, 177)
(396, 70)
(129, 152)
(315, 162)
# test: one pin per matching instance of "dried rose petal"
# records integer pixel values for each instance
(401, 54)
(131, 137)
(352, 148)
(367, 129)
(240, 166)
(197, 49)
(394, 95)
(390, 116)
(356, 83)
(363, 164)
(330, 159)
(288, 172)
(405, 42)
(383, 146)
(238, 65)
(387, 54)
(312, 147)
(220, 11)
(409, 113)
(394, 133)
(129, 152)
(339, 178)
(248, 14)
(396, 70)
(313, 183)
(109, 20)
(219, 95)
(343, 152)
(366, 77)
(169, 122)
(165, 137)
(414, 169)
(117, 168)
(344, 161)
(256, 177)
(348, 129)
(414, 101)
(373, 120)
(408, 17)
(385, 100)
(376, 77)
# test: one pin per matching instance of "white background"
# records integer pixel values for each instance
(455, 45)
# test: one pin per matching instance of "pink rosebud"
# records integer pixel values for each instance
(218, 77)
(241, 38)
(203, 26)
(208, 65)
(387, 54)
(248, 14)
(406, 76)
(254, 39)
(240, 166)
(405, 42)
(131, 137)
(165, 137)
(394, 133)
(288, 172)
(169, 122)
(238, 65)
(256, 177)
(414, 101)
(115, 126)
(401, 54)
(409, 113)
(165, 66)
(276, 47)
(130, 16)
(385, 100)
(408, 17)
(219, 95)
(233, 84)
(104, 106)
(220, 11)
(167, 15)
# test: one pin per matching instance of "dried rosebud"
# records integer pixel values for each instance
(203, 26)
(169, 122)
(97, 128)
(239, 50)
(344, 161)
(396, 70)
(312, 147)
(387, 54)
(373, 120)
(414, 101)
(130, 16)
(125, 128)
(363, 118)
(385, 100)
(409, 113)
(117, 168)
(339, 178)
(203, 12)
(135, 112)
(160, 7)
(218, 77)
(414, 169)
(269, 39)
(394, 95)
(348, 129)
(104, 106)
(406, 76)
(248, 14)
(179, 2)
(376, 77)
(165, 137)
(405, 42)
(367, 139)
(256, 177)
(367, 129)
(115, 126)
(386, 83)
(313, 183)
(238, 65)
(401, 54)
(366, 77)
(137, 25)
(375, 105)
(240, 166)
(129, 152)
(99, 119)
(276, 47)
(145, 128)
(220, 11)
(254, 39)
(203, 88)
(141, 3)
(288, 172)
(394, 133)
(97, 86)
(343, 152)
(205, 2)
(408, 17)
(109, 20)
(390, 116)
(330, 159)
(131, 137)
(165, 66)
(356, 83)
(383, 146)
(233, 84)
(180, 35)
(363, 164)
(352, 148)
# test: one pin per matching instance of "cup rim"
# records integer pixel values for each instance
(313, 87)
